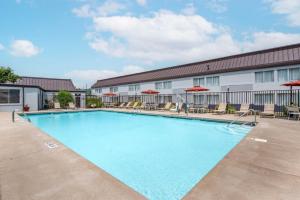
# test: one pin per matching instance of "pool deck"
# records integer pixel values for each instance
(265, 165)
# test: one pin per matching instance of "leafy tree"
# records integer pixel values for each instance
(64, 98)
(7, 75)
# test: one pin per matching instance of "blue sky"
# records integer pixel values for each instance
(88, 40)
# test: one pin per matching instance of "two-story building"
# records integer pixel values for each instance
(254, 71)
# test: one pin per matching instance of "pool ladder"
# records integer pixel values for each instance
(14, 113)
(253, 123)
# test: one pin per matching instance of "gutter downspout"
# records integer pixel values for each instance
(23, 99)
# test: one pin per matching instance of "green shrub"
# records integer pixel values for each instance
(231, 109)
(64, 98)
(91, 102)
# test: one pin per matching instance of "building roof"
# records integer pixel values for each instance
(280, 56)
(47, 84)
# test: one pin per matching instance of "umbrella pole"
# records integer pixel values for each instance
(186, 102)
(291, 95)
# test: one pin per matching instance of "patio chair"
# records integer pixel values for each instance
(57, 105)
(143, 106)
(129, 105)
(167, 106)
(293, 111)
(135, 105)
(71, 105)
(122, 105)
(268, 111)
(221, 109)
(244, 109)
(178, 107)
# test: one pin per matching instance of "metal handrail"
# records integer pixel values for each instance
(253, 122)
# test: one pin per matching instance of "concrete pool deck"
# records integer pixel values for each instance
(254, 169)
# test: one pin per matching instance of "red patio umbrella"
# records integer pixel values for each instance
(196, 89)
(291, 85)
(110, 94)
(150, 92)
(193, 89)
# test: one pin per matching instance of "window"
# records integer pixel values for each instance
(261, 99)
(9, 96)
(98, 90)
(158, 85)
(167, 84)
(199, 81)
(294, 74)
(212, 81)
(135, 87)
(264, 77)
(113, 89)
(282, 75)
(163, 85)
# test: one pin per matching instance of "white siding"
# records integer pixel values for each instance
(242, 80)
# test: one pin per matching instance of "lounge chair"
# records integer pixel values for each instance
(136, 105)
(133, 105)
(221, 109)
(178, 107)
(57, 105)
(268, 111)
(293, 111)
(143, 106)
(167, 106)
(71, 105)
(244, 109)
(122, 105)
(129, 104)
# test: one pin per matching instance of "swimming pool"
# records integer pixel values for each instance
(159, 157)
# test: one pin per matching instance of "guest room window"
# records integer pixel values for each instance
(8, 96)
(282, 75)
(199, 81)
(264, 77)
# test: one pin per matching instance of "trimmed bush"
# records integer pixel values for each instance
(64, 98)
(93, 103)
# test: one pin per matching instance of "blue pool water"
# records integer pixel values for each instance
(159, 157)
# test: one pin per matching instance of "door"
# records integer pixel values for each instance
(77, 100)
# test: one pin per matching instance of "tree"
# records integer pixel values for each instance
(7, 75)
(64, 98)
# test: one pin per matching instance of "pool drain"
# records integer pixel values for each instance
(259, 140)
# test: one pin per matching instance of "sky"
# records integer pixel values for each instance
(87, 40)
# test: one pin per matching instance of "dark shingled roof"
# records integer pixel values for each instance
(280, 56)
(48, 84)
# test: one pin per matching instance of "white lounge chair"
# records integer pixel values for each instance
(72, 106)
(57, 105)
(243, 109)
(221, 109)
(268, 111)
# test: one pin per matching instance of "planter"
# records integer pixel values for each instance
(26, 108)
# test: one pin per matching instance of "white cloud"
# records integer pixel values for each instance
(290, 8)
(107, 8)
(23, 48)
(165, 36)
(218, 6)
(1, 47)
(264, 40)
(91, 75)
(141, 2)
